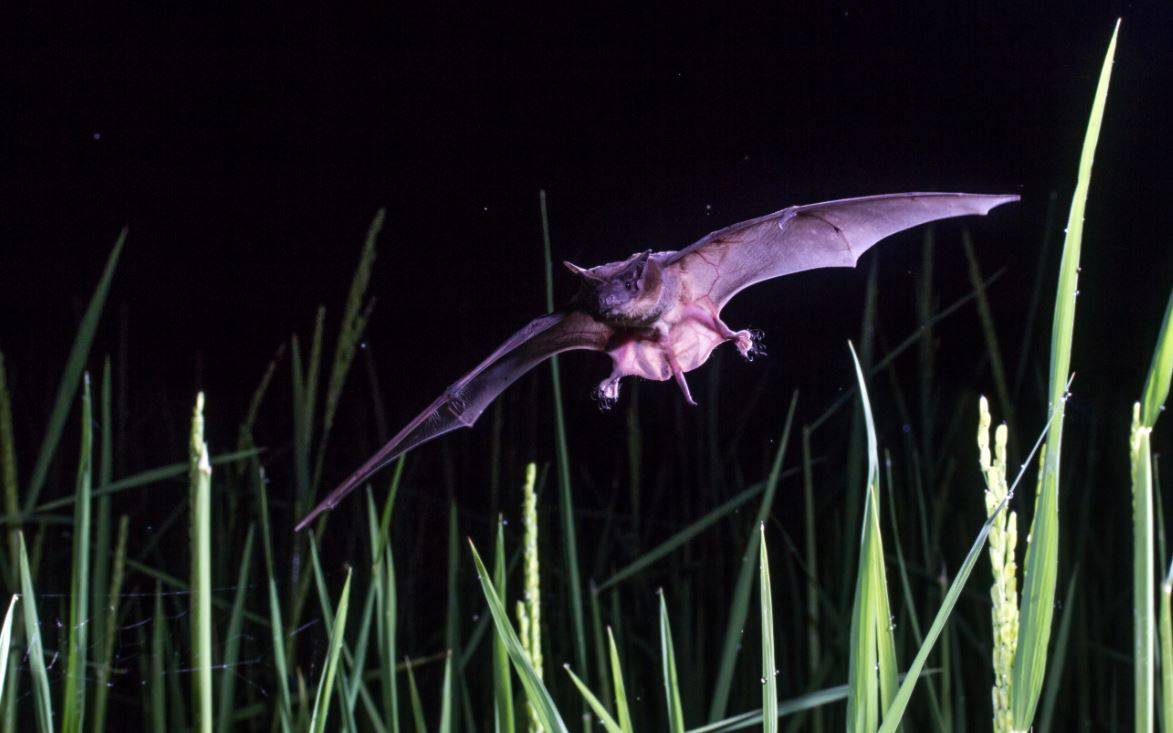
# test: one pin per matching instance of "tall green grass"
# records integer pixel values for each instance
(1041, 568)
(653, 560)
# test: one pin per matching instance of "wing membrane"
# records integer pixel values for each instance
(829, 234)
(463, 402)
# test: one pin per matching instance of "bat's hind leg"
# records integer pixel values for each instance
(607, 393)
(680, 380)
(750, 342)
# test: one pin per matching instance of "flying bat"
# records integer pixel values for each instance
(658, 314)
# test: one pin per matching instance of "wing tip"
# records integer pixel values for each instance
(994, 200)
(317, 511)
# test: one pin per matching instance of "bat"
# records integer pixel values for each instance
(658, 314)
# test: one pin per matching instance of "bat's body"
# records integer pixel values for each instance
(658, 314)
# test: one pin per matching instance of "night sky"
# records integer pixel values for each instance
(247, 152)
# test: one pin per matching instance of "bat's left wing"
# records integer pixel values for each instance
(463, 402)
(830, 234)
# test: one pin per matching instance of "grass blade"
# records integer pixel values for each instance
(112, 602)
(739, 608)
(1144, 417)
(810, 557)
(150, 476)
(417, 708)
(280, 667)
(1058, 658)
(284, 707)
(201, 572)
(446, 702)
(100, 585)
(598, 707)
(1167, 652)
(671, 683)
(158, 685)
(535, 691)
(42, 702)
(1042, 554)
(74, 707)
(686, 535)
(1156, 388)
(350, 331)
(989, 332)
(232, 637)
(895, 711)
(6, 642)
(71, 378)
(389, 619)
(502, 681)
(873, 648)
(769, 670)
(565, 494)
(621, 707)
(326, 684)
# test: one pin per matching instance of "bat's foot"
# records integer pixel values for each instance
(606, 394)
(680, 380)
(751, 343)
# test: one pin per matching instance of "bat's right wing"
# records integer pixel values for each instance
(830, 234)
(463, 402)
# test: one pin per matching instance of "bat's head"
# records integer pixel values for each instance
(625, 293)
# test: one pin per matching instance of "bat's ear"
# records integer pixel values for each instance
(650, 278)
(580, 271)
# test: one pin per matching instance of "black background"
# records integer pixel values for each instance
(248, 149)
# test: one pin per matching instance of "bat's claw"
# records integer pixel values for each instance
(751, 343)
(606, 394)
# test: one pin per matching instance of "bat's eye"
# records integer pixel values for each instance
(630, 285)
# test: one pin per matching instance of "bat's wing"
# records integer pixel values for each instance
(830, 234)
(463, 402)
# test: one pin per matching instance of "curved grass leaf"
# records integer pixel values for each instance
(536, 692)
(112, 600)
(321, 709)
(417, 708)
(1144, 416)
(233, 635)
(1167, 652)
(71, 378)
(1042, 554)
(686, 535)
(769, 668)
(502, 681)
(809, 701)
(150, 476)
(1156, 388)
(42, 702)
(621, 707)
(446, 696)
(872, 649)
(895, 711)
(74, 708)
(671, 683)
(600, 709)
(5, 643)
